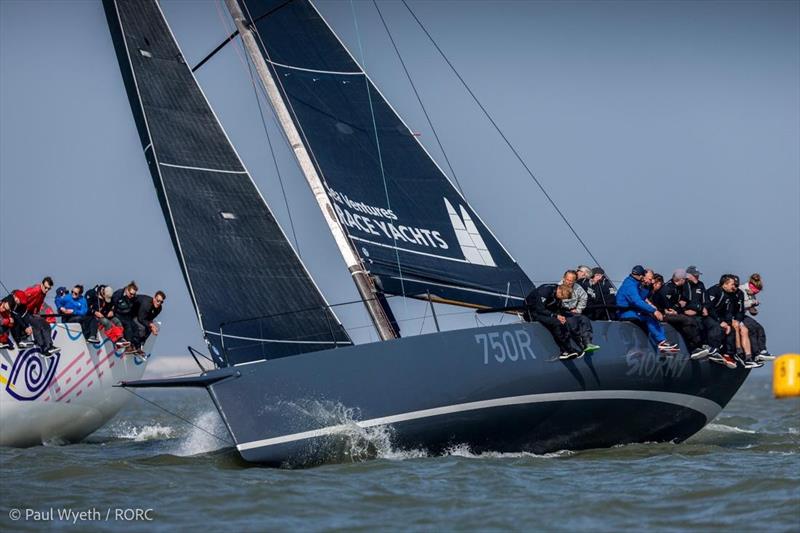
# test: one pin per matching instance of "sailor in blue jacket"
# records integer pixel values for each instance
(73, 308)
(632, 306)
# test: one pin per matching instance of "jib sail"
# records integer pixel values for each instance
(253, 296)
(414, 231)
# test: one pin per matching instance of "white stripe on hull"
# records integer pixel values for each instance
(708, 408)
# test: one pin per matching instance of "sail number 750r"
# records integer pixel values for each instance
(506, 345)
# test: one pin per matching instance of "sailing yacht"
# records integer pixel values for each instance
(284, 363)
(65, 397)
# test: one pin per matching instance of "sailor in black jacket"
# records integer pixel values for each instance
(579, 327)
(670, 294)
(556, 323)
(721, 309)
(602, 300)
(667, 297)
(147, 309)
(694, 305)
(694, 294)
(743, 348)
(101, 313)
(124, 306)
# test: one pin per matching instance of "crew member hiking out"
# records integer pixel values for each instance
(6, 322)
(101, 309)
(631, 306)
(667, 298)
(27, 320)
(73, 308)
(124, 307)
(576, 303)
(602, 296)
(579, 327)
(758, 336)
(555, 323)
(694, 302)
(744, 352)
(720, 309)
(144, 324)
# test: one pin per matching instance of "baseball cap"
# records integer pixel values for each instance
(638, 270)
(693, 271)
(679, 273)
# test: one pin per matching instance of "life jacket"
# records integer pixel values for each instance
(47, 310)
(5, 319)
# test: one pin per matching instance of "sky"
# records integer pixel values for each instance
(667, 132)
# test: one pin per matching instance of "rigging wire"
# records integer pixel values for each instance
(497, 128)
(233, 35)
(419, 99)
(274, 159)
(424, 316)
(246, 61)
(179, 417)
(377, 141)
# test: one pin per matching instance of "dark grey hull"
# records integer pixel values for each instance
(492, 389)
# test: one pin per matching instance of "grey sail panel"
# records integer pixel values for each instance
(414, 231)
(253, 296)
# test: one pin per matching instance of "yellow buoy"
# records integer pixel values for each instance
(786, 376)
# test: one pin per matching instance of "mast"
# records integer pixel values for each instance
(364, 283)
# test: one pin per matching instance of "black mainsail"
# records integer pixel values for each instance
(252, 294)
(412, 229)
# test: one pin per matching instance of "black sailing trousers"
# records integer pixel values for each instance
(758, 337)
(129, 329)
(84, 321)
(717, 338)
(559, 331)
(710, 330)
(688, 327)
(140, 334)
(41, 331)
(580, 329)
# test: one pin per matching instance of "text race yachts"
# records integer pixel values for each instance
(367, 219)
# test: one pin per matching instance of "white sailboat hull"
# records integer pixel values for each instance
(66, 397)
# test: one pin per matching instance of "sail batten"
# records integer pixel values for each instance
(412, 229)
(247, 283)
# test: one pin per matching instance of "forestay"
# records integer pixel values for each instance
(414, 231)
(251, 292)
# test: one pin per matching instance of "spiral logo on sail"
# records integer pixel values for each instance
(31, 374)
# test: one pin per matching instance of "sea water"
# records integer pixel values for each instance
(150, 470)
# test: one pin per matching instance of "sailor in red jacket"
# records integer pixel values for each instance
(32, 299)
(34, 295)
(6, 322)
